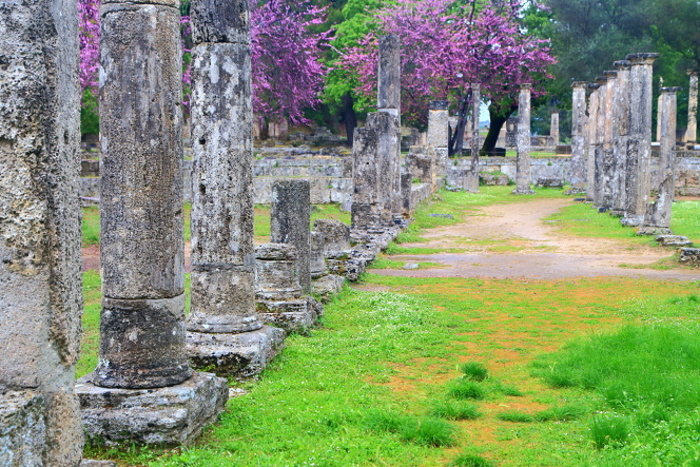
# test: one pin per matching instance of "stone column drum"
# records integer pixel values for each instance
(592, 128)
(621, 108)
(290, 219)
(657, 220)
(226, 332)
(438, 136)
(522, 176)
(40, 279)
(691, 133)
(142, 328)
(578, 138)
(554, 128)
(638, 177)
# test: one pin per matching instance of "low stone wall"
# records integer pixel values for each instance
(331, 174)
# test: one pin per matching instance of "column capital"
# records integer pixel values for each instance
(642, 58)
(579, 84)
(670, 90)
(526, 87)
(610, 74)
(622, 64)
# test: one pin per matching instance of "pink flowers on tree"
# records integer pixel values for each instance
(447, 46)
(287, 74)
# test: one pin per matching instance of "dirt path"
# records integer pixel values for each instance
(513, 241)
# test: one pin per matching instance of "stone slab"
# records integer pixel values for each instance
(327, 286)
(658, 231)
(242, 355)
(674, 240)
(690, 256)
(167, 416)
(22, 429)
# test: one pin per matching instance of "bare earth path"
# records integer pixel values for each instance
(512, 241)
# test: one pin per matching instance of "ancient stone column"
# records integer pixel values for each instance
(290, 219)
(369, 210)
(389, 101)
(223, 257)
(638, 157)
(610, 132)
(599, 142)
(554, 128)
(522, 177)
(40, 279)
(471, 183)
(657, 220)
(223, 292)
(691, 133)
(142, 328)
(592, 128)
(439, 135)
(621, 109)
(578, 138)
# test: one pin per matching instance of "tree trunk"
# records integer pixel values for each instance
(349, 117)
(457, 136)
(498, 118)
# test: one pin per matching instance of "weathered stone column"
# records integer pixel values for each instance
(290, 220)
(621, 108)
(578, 138)
(592, 128)
(639, 154)
(599, 141)
(389, 101)
(610, 132)
(554, 128)
(439, 135)
(369, 210)
(657, 220)
(223, 258)
(522, 177)
(40, 281)
(691, 133)
(472, 177)
(142, 328)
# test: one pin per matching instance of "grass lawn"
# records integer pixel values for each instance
(467, 372)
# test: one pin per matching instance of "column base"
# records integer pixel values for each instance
(327, 286)
(167, 416)
(296, 315)
(523, 192)
(241, 355)
(632, 221)
(690, 256)
(648, 230)
(674, 241)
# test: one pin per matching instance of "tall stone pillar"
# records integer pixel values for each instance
(592, 128)
(610, 132)
(369, 210)
(578, 138)
(142, 328)
(638, 177)
(40, 281)
(472, 177)
(290, 222)
(599, 142)
(439, 135)
(522, 176)
(621, 109)
(691, 133)
(657, 220)
(389, 101)
(223, 257)
(554, 128)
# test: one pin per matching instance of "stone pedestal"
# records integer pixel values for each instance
(165, 416)
(143, 360)
(279, 298)
(638, 177)
(40, 277)
(578, 138)
(522, 177)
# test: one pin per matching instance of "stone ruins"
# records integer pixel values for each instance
(244, 298)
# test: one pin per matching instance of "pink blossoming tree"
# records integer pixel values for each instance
(447, 46)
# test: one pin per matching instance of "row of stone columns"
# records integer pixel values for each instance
(611, 144)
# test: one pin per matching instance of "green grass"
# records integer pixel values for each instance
(515, 416)
(474, 370)
(584, 221)
(471, 460)
(464, 388)
(91, 225)
(685, 219)
(384, 263)
(454, 410)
